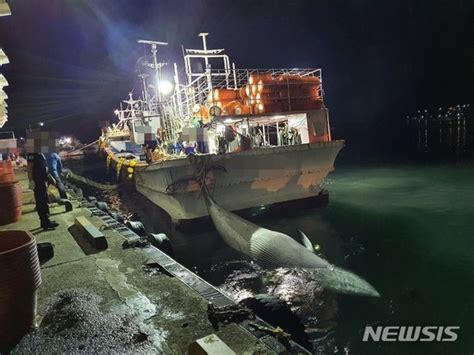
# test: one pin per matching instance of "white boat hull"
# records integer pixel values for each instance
(239, 180)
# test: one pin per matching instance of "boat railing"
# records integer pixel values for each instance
(267, 91)
(181, 108)
(236, 78)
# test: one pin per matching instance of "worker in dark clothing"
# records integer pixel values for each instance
(40, 177)
(55, 167)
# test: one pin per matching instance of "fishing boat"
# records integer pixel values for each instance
(258, 137)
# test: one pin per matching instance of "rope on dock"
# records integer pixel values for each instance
(90, 182)
(84, 147)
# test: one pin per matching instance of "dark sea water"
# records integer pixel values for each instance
(408, 229)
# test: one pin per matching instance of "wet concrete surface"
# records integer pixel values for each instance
(73, 322)
(109, 302)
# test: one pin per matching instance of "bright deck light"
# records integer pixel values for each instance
(165, 87)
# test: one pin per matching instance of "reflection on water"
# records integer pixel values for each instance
(405, 229)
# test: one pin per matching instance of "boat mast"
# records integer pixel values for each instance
(156, 66)
(203, 35)
(144, 91)
(205, 54)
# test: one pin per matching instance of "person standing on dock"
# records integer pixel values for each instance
(38, 170)
(55, 167)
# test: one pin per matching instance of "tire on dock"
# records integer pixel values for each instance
(162, 242)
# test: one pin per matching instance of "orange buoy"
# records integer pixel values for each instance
(251, 90)
(249, 102)
(254, 89)
(6, 171)
(223, 103)
(300, 79)
(245, 110)
(256, 77)
(203, 113)
(247, 91)
(266, 82)
(19, 280)
(226, 94)
(300, 91)
(271, 107)
(259, 108)
(306, 91)
(304, 104)
(11, 197)
(236, 108)
(229, 108)
(242, 93)
(272, 87)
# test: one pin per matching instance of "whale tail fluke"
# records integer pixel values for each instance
(342, 281)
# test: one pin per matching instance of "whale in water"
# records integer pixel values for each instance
(274, 249)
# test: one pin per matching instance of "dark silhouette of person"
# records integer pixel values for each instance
(229, 134)
(55, 167)
(245, 143)
(40, 175)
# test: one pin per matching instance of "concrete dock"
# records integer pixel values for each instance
(110, 301)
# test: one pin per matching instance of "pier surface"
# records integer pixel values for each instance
(106, 301)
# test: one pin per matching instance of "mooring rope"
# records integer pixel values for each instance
(84, 147)
(98, 185)
(201, 166)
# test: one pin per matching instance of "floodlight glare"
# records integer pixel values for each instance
(165, 87)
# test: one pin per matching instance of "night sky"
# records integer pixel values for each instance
(73, 60)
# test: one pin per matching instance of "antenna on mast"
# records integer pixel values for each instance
(203, 35)
(205, 54)
(155, 65)
(156, 43)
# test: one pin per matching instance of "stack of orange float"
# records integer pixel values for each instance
(20, 278)
(266, 94)
(6, 171)
(11, 194)
(229, 101)
(287, 93)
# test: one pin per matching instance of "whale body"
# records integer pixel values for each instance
(274, 249)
